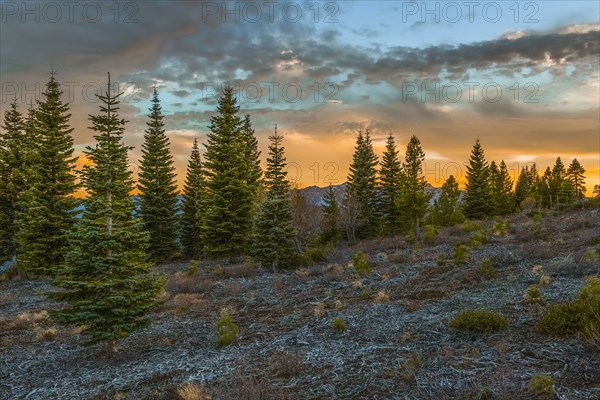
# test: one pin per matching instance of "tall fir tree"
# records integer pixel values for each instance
(524, 186)
(501, 185)
(273, 233)
(48, 206)
(478, 195)
(12, 184)
(229, 201)
(542, 189)
(330, 225)
(389, 187)
(157, 186)
(105, 277)
(362, 186)
(575, 175)
(412, 199)
(555, 182)
(193, 194)
(447, 210)
(252, 159)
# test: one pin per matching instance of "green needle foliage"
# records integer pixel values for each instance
(229, 201)
(191, 206)
(478, 196)
(273, 235)
(12, 185)
(389, 187)
(48, 205)
(158, 190)
(330, 225)
(105, 275)
(362, 186)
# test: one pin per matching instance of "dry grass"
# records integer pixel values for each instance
(287, 365)
(381, 297)
(192, 391)
(184, 302)
(181, 282)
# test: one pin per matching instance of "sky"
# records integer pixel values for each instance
(523, 77)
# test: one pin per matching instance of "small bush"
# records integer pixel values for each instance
(461, 254)
(366, 294)
(430, 233)
(591, 256)
(319, 310)
(382, 297)
(486, 270)
(545, 280)
(469, 226)
(478, 239)
(480, 321)
(193, 267)
(226, 330)
(533, 295)
(441, 260)
(542, 385)
(338, 324)
(500, 227)
(191, 391)
(578, 316)
(361, 266)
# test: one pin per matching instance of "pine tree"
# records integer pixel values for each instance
(389, 187)
(330, 228)
(105, 276)
(12, 185)
(192, 205)
(575, 175)
(48, 206)
(478, 196)
(158, 190)
(252, 159)
(228, 204)
(542, 189)
(555, 182)
(412, 200)
(446, 209)
(362, 186)
(524, 186)
(501, 185)
(273, 233)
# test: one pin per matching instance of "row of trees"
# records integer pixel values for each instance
(102, 258)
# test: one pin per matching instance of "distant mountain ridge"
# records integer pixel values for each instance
(314, 194)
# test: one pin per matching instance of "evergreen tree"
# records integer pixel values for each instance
(542, 189)
(362, 186)
(524, 186)
(412, 200)
(330, 229)
(555, 182)
(252, 159)
(389, 187)
(105, 275)
(501, 185)
(446, 209)
(12, 185)
(575, 175)
(192, 204)
(158, 190)
(478, 195)
(228, 208)
(273, 233)
(48, 206)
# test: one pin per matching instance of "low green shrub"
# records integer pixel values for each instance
(486, 270)
(430, 233)
(533, 295)
(193, 267)
(469, 226)
(478, 239)
(480, 321)
(542, 385)
(338, 324)
(361, 266)
(500, 227)
(226, 330)
(577, 316)
(461, 254)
